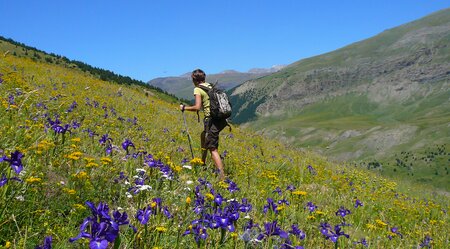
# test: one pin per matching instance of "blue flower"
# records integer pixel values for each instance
(297, 232)
(358, 203)
(143, 215)
(127, 144)
(363, 242)
(278, 190)
(100, 228)
(3, 180)
(426, 242)
(47, 243)
(232, 186)
(311, 170)
(15, 161)
(331, 234)
(342, 212)
(311, 207)
(270, 206)
(271, 229)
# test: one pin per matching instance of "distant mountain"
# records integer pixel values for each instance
(181, 86)
(374, 101)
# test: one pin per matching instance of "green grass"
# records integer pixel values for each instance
(329, 119)
(64, 171)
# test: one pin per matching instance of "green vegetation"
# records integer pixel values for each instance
(352, 122)
(89, 163)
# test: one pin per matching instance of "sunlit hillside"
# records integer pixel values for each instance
(89, 163)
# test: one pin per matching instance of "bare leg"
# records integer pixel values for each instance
(203, 149)
(218, 162)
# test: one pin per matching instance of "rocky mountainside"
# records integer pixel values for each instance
(391, 65)
(181, 86)
(370, 101)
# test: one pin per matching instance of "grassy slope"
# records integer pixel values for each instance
(61, 172)
(319, 126)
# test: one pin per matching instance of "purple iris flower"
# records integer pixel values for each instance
(312, 171)
(199, 232)
(331, 234)
(290, 187)
(1, 80)
(143, 215)
(232, 186)
(127, 144)
(167, 213)
(283, 201)
(100, 228)
(426, 242)
(394, 230)
(72, 106)
(363, 242)
(15, 161)
(271, 229)
(11, 99)
(3, 180)
(218, 199)
(311, 207)
(278, 190)
(47, 243)
(358, 203)
(270, 206)
(297, 232)
(245, 207)
(76, 125)
(342, 212)
(105, 138)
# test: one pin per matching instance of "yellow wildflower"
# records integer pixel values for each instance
(106, 160)
(223, 184)
(196, 161)
(161, 229)
(153, 204)
(281, 207)
(32, 179)
(81, 175)
(371, 226)
(177, 168)
(299, 193)
(91, 165)
(318, 212)
(79, 206)
(69, 191)
(188, 200)
(234, 235)
(380, 223)
(76, 139)
(75, 155)
(8, 244)
(209, 196)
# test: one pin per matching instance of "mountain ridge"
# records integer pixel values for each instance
(181, 86)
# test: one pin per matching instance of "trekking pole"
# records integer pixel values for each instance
(189, 136)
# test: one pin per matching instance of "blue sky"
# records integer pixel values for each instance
(157, 38)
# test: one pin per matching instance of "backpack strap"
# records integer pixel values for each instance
(206, 90)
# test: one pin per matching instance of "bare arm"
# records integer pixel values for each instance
(196, 107)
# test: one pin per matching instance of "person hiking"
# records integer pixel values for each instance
(212, 127)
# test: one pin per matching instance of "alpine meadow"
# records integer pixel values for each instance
(91, 159)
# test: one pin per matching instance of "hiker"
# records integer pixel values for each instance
(210, 136)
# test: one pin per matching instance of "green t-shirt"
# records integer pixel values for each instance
(205, 98)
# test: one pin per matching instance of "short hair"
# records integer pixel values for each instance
(198, 76)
